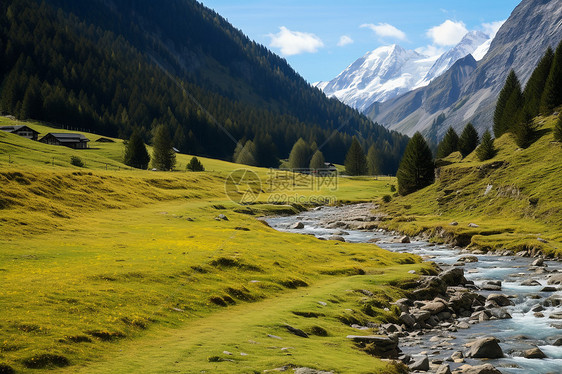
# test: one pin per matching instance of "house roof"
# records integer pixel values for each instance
(68, 137)
(16, 128)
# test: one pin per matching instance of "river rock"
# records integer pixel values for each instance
(557, 342)
(468, 259)
(538, 262)
(530, 282)
(481, 369)
(336, 238)
(500, 313)
(555, 279)
(534, 353)
(492, 285)
(443, 369)
(379, 346)
(553, 300)
(453, 277)
(421, 364)
(499, 299)
(297, 226)
(556, 315)
(434, 307)
(407, 319)
(485, 348)
(430, 288)
(461, 301)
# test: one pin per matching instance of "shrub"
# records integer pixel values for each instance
(392, 188)
(195, 165)
(387, 198)
(76, 161)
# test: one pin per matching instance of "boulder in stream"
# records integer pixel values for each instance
(481, 369)
(485, 348)
(534, 353)
(421, 364)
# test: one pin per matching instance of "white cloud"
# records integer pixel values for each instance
(492, 28)
(385, 30)
(344, 40)
(295, 42)
(430, 51)
(448, 33)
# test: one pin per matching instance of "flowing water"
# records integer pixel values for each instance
(523, 331)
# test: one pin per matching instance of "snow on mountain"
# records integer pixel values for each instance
(379, 75)
(391, 71)
(469, 43)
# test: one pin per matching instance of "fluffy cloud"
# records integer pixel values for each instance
(385, 30)
(295, 42)
(430, 51)
(344, 40)
(448, 33)
(492, 28)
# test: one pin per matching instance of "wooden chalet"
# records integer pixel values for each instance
(76, 141)
(22, 130)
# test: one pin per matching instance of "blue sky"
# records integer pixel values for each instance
(321, 38)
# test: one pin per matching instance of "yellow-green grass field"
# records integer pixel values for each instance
(124, 270)
(521, 210)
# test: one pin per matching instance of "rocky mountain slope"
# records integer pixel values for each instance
(519, 44)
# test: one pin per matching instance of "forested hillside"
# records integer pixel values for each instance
(98, 64)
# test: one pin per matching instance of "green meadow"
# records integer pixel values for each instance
(514, 198)
(108, 269)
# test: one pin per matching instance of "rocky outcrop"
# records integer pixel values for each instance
(376, 345)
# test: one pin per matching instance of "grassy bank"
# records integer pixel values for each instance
(124, 270)
(514, 199)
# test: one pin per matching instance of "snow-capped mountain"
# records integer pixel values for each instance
(471, 42)
(390, 71)
(379, 75)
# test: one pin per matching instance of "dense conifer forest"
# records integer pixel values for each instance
(115, 66)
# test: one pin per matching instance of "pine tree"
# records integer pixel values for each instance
(513, 112)
(552, 95)
(486, 150)
(32, 105)
(468, 140)
(449, 144)
(247, 155)
(511, 84)
(535, 85)
(355, 160)
(374, 161)
(195, 165)
(299, 158)
(416, 169)
(526, 131)
(317, 161)
(136, 154)
(163, 155)
(558, 129)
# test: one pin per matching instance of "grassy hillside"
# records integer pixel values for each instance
(514, 198)
(123, 270)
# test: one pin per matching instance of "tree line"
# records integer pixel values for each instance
(84, 65)
(514, 113)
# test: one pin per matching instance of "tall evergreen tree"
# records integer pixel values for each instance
(513, 112)
(449, 144)
(558, 129)
(486, 150)
(247, 155)
(416, 169)
(468, 140)
(163, 155)
(136, 154)
(32, 105)
(535, 85)
(355, 160)
(552, 95)
(526, 131)
(511, 84)
(317, 161)
(299, 158)
(374, 161)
